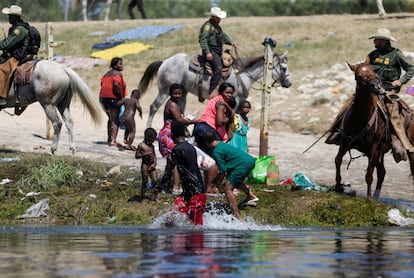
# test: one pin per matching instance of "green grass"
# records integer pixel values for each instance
(79, 200)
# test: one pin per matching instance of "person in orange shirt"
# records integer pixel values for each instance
(113, 89)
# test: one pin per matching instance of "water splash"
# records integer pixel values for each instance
(217, 216)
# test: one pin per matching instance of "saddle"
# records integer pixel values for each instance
(24, 72)
(201, 66)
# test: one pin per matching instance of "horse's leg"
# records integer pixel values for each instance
(162, 96)
(338, 162)
(64, 110)
(52, 115)
(380, 177)
(374, 162)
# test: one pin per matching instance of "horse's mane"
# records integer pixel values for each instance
(244, 63)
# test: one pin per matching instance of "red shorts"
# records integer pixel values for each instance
(193, 208)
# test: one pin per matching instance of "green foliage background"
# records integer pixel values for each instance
(52, 10)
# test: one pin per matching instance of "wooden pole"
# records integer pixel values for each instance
(269, 44)
(49, 53)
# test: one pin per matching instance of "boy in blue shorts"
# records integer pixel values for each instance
(237, 166)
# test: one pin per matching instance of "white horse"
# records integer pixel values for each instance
(176, 69)
(53, 86)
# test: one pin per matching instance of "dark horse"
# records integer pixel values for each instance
(366, 128)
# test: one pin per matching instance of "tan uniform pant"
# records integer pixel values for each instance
(6, 70)
(397, 122)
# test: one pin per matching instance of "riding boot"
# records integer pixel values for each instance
(335, 134)
(398, 151)
(334, 138)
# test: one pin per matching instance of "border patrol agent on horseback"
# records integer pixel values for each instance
(14, 48)
(388, 62)
(211, 39)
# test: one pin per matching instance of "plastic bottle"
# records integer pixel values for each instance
(273, 176)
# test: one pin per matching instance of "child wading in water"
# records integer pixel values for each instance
(145, 151)
(128, 118)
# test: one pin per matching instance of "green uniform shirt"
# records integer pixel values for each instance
(388, 62)
(17, 34)
(211, 35)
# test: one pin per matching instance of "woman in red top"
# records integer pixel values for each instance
(113, 89)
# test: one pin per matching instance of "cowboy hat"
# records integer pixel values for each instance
(383, 34)
(216, 11)
(13, 10)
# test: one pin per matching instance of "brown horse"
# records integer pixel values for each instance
(366, 128)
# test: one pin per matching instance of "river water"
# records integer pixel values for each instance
(223, 247)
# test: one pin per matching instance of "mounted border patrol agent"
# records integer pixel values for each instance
(211, 39)
(14, 48)
(388, 62)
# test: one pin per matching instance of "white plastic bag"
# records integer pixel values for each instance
(395, 217)
(37, 210)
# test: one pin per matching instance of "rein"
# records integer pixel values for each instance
(260, 88)
(360, 134)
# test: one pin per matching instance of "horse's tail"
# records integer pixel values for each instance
(88, 98)
(149, 73)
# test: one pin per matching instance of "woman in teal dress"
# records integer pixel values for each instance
(242, 125)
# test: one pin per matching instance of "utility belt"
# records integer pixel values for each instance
(217, 50)
(388, 87)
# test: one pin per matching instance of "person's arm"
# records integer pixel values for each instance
(138, 107)
(227, 40)
(139, 151)
(117, 89)
(175, 112)
(204, 36)
(120, 103)
(408, 68)
(221, 114)
(18, 34)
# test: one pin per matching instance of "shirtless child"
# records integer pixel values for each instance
(128, 118)
(145, 150)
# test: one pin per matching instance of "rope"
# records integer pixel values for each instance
(352, 158)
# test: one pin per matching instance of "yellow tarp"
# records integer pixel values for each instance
(121, 50)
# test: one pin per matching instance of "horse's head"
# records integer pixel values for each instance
(280, 70)
(367, 78)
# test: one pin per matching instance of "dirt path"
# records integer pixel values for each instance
(27, 133)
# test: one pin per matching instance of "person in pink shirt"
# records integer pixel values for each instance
(214, 119)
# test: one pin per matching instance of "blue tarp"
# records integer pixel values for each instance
(106, 45)
(143, 32)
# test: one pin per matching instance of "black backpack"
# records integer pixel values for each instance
(34, 41)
